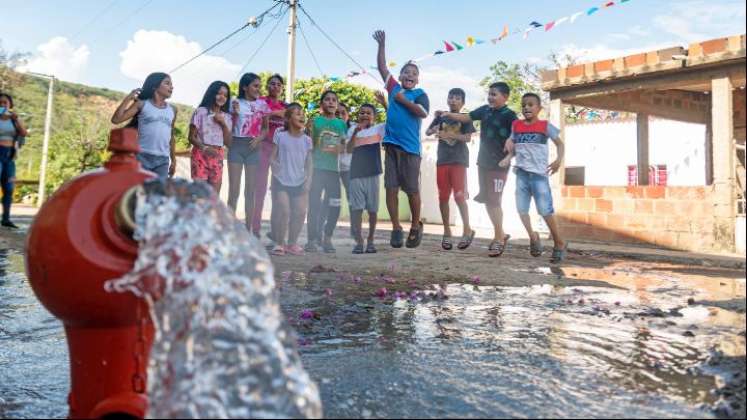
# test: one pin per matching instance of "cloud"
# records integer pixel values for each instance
(152, 51)
(60, 58)
(603, 51)
(699, 20)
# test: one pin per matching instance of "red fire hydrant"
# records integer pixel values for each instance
(76, 244)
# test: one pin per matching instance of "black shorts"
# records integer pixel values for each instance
(402, 170)
(292, 192)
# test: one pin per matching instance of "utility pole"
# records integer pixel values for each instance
(291, 50)
(45, 147)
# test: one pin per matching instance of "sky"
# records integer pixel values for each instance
(116, 43)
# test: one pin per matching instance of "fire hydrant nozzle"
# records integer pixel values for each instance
(125, 211)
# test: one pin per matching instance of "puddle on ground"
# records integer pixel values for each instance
(33, 351)
(629, 349)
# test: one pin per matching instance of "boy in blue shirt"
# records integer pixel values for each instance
(408, 107)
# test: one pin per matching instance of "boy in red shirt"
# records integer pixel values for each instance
(528, 142)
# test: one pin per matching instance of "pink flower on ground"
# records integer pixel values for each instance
(328, 292)
(382, 293)
(307, 314)
(476, 280)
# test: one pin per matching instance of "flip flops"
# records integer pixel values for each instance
(371, 248)
(466, 241)
(558, 255)
(446, 243)
(397, 238)
(358, 249)
(535, 246)
(415, 237)
(497, 248)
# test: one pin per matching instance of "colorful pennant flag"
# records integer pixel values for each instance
(561, 20)
(471, 41)
(504, 34)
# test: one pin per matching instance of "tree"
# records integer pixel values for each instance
(8, 62)
(521, 79)
(525, 78)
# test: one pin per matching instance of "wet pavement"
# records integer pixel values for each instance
(595, 338)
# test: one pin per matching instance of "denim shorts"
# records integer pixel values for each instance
(531, 185)
(154, 163)
(241, 152)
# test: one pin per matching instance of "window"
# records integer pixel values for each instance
(657, 175)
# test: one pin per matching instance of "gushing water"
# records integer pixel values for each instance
(222, 348)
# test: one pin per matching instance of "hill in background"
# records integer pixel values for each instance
(80, 127)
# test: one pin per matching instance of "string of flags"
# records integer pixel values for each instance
(450, 46)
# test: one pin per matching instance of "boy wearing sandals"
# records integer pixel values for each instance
(496, 119)
(408, 106)
(451, 166)
(528, 142)
(364, 141)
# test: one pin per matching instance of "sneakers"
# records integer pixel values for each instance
(8, 224)
(278, 251)
(312, 247)
(328, 247)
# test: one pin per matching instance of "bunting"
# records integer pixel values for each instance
(472, 41)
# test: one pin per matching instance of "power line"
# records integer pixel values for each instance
(256, 23)
(131, 15)
(267, 38)
(330, 39)
(311, 51)
(94, 19)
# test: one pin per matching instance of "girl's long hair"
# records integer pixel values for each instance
(148, 91)
(289, 113)
(208, 100)
(246, 80)
(8, 97)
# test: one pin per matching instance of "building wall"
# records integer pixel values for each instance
(606, 149)
(670, 217)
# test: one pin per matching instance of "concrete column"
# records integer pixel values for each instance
(724, 168)
(643, 148)
(557, 118)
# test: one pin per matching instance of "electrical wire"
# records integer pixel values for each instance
(311, 51)
(267, 38)
(93, 20)
(260, 19)
(331, 40)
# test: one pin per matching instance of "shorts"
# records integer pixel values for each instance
(452, 178)
(154, 163)
(492, 184)
(208, 166)
(241, 152)
(530, 185)
(402, 170)
(364, 194)
(292, 192)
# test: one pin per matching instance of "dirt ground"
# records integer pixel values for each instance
(403, 271)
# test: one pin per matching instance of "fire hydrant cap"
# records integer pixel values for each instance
(124, 141)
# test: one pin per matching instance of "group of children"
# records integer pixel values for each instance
(310, 159)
